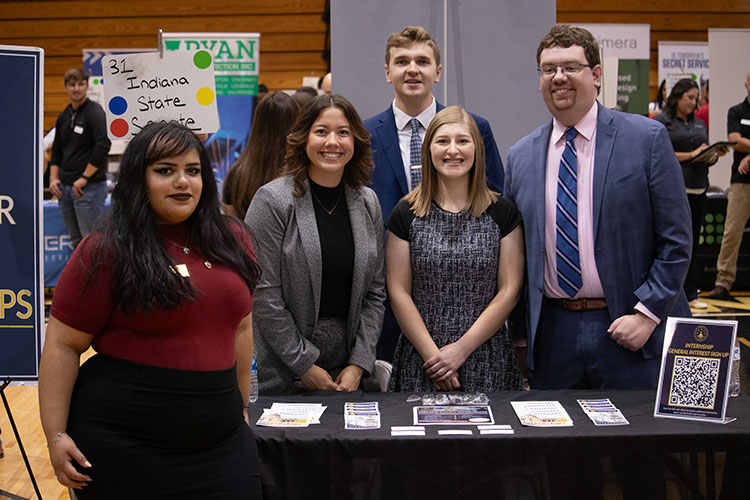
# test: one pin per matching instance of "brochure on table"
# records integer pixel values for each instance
(695, 368)
(541, 414)
(291, 415)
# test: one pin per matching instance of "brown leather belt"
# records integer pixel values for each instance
(578, 305)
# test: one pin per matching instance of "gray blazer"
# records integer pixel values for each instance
(287, 299)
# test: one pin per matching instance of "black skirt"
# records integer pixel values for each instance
(160, 433)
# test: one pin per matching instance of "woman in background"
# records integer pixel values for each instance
(163, 293)
(455, 263)
(262, 160)
(318, 233)
(657, 106)
(689, 137)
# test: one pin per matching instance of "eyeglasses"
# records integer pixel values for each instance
(568, 69)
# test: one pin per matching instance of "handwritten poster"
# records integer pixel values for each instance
(144, 88)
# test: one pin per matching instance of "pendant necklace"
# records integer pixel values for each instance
(329, 212)
(184, 247)
(186, 251)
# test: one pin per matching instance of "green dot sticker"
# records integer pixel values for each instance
(710, 239)
(709, 217)
(720, 229)
(719, 217)
(700, 240)
(202, 59)
(709, 228)
(718, 239)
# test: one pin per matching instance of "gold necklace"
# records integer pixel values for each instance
(329, 212)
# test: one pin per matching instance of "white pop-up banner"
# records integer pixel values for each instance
(625, 60)
(678, 60)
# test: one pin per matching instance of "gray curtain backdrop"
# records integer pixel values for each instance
(488, 56)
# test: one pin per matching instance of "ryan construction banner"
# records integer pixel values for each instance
(236, 63)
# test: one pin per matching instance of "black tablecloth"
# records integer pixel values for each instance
(326, 461)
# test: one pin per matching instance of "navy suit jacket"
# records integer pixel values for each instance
(388, 177)
(642, 232)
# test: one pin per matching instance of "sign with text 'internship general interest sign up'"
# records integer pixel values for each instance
(144, 88)
(21, 275)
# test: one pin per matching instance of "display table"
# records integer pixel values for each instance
(326, 461)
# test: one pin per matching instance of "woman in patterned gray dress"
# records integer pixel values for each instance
(455, 264)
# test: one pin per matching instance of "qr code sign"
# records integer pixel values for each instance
(694, 382)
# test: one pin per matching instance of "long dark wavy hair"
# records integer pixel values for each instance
(262, 160)
(680, 88)
(356, 172)
(129, 239)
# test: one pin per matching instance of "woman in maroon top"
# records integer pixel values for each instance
(163, 293)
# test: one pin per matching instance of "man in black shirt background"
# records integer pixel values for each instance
(738, 204)
(79, 158)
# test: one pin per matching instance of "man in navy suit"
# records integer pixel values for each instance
(598, 294)
(412, 66)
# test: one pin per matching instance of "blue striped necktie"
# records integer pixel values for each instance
(415, 154)
(566, 219)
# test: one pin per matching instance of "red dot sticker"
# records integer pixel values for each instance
(119, 127)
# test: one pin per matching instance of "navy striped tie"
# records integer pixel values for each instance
(568, 259)
(415, 154)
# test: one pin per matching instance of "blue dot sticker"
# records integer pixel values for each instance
(118, 105)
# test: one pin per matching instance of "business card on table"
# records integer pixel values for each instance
(407, 430)
(495, 429)
(455, 432)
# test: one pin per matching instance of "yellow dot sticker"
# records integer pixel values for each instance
(205, 96)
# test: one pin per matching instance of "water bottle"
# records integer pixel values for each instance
(734, 377)
(254, 381)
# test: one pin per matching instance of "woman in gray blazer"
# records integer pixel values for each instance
(318, 236)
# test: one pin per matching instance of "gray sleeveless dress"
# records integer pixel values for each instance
(454, 261)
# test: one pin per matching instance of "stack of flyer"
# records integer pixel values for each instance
(291, 415)
(602, 412)
(358, 416)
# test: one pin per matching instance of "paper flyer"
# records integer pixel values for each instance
(541, 414)
(455, 415)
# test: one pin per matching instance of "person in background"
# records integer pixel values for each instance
(689, 136)
(162, 291)
(656, 107)
(304, 95)
(324, 84)
(738, 203)
(77, 172)
(262, 160)
(702, 111)
(318, 233)
(455, 262)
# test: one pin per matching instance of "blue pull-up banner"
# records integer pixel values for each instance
(21, 252)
